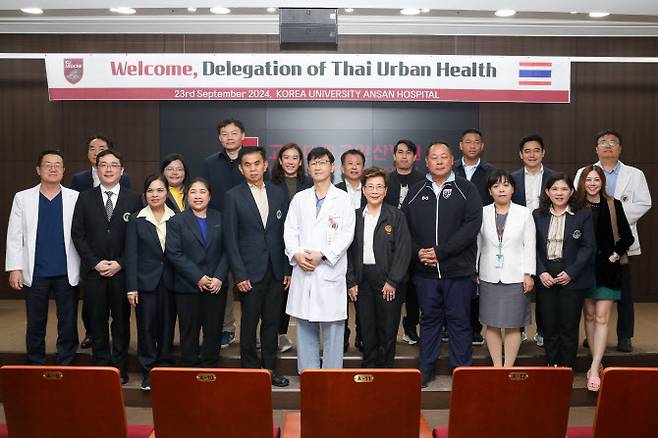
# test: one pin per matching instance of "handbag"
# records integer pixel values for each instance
(623, 258)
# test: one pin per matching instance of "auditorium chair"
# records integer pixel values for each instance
(357, 403)
(71, 402)
(627, 405)
(509, 403)
(200, 403)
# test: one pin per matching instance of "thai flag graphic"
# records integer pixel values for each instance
(535, 73)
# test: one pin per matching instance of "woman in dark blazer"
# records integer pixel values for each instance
(377, 265)
(196, 250)
(174, 169)
(607, 263)
(289, 174)
(565, 244)
(148, 277)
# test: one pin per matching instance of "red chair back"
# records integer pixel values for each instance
(627, 404)
(199, 402)
(360, 403)
(504, 402)
(71, 402)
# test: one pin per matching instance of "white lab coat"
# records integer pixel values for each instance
(633, 192)
(321, 295)
(22, 234)
(518, 249)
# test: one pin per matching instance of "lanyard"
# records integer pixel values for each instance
(499, 232)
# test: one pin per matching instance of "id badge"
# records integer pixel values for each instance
(500, 259)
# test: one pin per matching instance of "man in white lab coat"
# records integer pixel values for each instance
(318, 230)
(629, 185)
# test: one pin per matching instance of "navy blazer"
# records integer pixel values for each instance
(518, 197)
(83, 181)
(94, 236)
(146, 264)
(577, 248)
(189, 256)
(251, 247)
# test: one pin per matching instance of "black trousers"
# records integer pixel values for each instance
(284, 320)
(412, 317)
(155, 334)
(262, 303)
(625, 311)
(561, 310)
(86, 321)
(105, 298)
(197, 312)
(36, 306)
(379, 320)
(475, 316)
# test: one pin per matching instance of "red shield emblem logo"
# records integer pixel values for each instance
(73, 69)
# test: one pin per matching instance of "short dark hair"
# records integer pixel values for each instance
(471, 131)
(320, 152)
(170, 159)
(374, 172)
(154, 177)
(110, 145)
(545, 201)
(49, 152)
(529, 138)
(352, 152)
(608, 132)
(277, 174)
(429, 146)
(224, 123)
(499, 176)
(199, 180)
(114, 152)
(251, 150)
(410, 144)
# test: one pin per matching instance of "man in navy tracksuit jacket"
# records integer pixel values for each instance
(444, 213)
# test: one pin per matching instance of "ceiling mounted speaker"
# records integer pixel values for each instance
(304, 28)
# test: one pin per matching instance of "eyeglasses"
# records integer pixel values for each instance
(56, 166)
(109, 165)
(174, 169)
(319, 163)
(610, 143)
(373, 187)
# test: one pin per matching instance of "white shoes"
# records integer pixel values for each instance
(284, 343)
(539, 339)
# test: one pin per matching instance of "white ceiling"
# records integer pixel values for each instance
(446, 17)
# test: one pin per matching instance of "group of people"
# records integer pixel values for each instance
(460, 246)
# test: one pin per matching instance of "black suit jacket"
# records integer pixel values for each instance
(223, 174)
(171, 203)
(518, 197)
(577, 248)
(94, 236)
(83, 181)
(341, 185)
(146, 264)
(251, 247)
(480, 179)
(391, 245)
(393, 192)
(191, 259)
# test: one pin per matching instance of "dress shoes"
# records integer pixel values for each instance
(280, 381)
(86, 342)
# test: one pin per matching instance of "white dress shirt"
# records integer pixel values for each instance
(116, 189)
(533, 188)
(260, 196)
(369, 224)
(355, 194)
(94, 177)
(469, 169)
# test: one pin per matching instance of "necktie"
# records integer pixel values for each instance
(109, 208)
